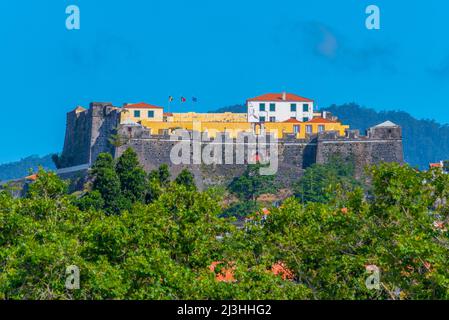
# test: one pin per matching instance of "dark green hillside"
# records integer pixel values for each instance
(19, 169)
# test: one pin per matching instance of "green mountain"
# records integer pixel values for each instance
(425, 141)
(236, 108)
(19, 169)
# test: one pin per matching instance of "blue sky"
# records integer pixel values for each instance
(221, 52)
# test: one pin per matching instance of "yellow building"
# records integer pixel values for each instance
(137, 112)
(158, 122)
(208, 117)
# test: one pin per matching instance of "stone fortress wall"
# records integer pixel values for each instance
(88, 133)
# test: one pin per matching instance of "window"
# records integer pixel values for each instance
(296, 129)
(136, 114)
(308, 128)
(293, 107)
(305, 107)
(305, 119)
(272, 107)
(262, 106)
(320, 128)
(151, 114)
(262, 119)
(272, 119)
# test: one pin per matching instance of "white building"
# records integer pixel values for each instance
(279, 107)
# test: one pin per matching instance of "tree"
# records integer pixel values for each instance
(164, 175)
(186, 179)
(107, 183)
(165, 249)
(321, 181)
(91, 201)
(158, 181)
(47, 186)
(132, 176)
(252, 184)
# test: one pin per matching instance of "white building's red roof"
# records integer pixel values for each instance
(279, 97)
(141, 105)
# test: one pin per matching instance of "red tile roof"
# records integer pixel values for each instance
(168, 114)
(278, 97)
(225, 275)
(279, 269)
(292, 120)
(320, 120)
(436, 165)
(33, 177)
(141, 105)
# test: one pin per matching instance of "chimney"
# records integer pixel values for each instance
(284, 96)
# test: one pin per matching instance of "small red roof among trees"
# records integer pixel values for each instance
(227, 274)
(223, 275)
(280, 269)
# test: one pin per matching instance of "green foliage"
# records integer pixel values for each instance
(252, 184)
(90, 201)
(47, 186)
(154, 190)
(117, 140)
(186, 179)
(163, 174)
(164, 249)
(241, 209)
(132, 176)
(321, 182)
(107, 183)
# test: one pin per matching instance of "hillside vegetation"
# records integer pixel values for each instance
(20, 169)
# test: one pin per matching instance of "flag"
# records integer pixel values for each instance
(170, 99)
(183, 99)
(194, 99)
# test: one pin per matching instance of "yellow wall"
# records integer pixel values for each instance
(208, 117)
(220, 122)
(277, 128)
(128, 114)
(211, 127)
